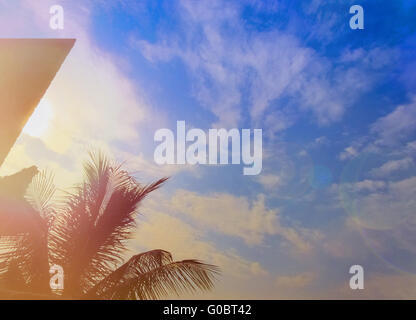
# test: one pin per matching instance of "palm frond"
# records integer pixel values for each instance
(27, 256)
(40, 192)
(154, 274)
(18, 217)
(97, 220)
(87, 236)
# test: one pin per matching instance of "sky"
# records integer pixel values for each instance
(337, 108)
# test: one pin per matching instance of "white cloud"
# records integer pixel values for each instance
(376, 57)
(278, 121)
(348, 153)
(265, 67)
(159, 228)
(379, 205)
(397, 125)
(269, 181)
(321, 140)
(411, 147)
(229, 214)
(392, 166)
(238, 217)
(161, 225)
(369, 185)
(295, 281)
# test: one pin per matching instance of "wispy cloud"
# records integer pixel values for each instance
(392, 166)
(267, 68)
(239, 217)
(397, 125)
(295, 281)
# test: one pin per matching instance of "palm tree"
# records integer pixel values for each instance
(87, 236)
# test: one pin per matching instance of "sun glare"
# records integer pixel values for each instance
(39, 121)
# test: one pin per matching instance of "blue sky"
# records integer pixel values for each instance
(338, 112)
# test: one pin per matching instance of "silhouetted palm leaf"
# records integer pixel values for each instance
(152, 275)
(90, 237)
(25, 252)
(87, 236)
(39, 194)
